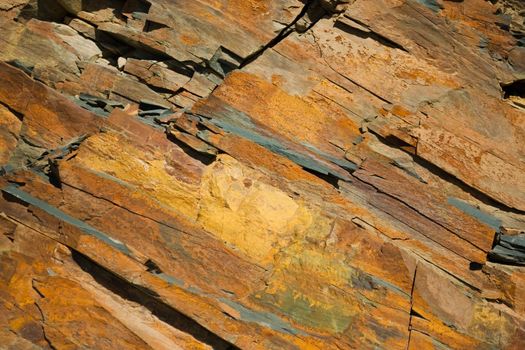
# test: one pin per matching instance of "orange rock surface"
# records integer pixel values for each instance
(280, 174)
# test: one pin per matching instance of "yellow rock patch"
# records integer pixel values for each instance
(113, 155)
(248, 214)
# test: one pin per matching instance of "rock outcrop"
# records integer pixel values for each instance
(255, 174)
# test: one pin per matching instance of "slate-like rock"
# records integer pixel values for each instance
(253, 174)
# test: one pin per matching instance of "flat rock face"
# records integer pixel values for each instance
(262, 174)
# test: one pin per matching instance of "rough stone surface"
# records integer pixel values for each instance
(253, 174)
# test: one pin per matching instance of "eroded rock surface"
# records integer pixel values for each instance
(252, 174)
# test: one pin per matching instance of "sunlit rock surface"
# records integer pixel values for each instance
(262, 174)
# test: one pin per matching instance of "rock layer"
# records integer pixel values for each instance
(257, 174)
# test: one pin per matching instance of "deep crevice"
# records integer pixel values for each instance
(179, 67)
(331, 179)
(111, 47)
(136, 7)
(139, 47)
(12, 199)
(287, 30)
(223, 62)
(151, 26)
(474, 266)
(17, 114)
(204, 158)
(152, 267)
(150, 300)
(515, 88)
(414, 313)
(54, 173)
(45, 10)
(500, 301)
(368, 35)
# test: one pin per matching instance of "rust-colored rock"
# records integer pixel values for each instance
(258, 174)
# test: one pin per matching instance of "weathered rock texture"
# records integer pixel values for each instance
(256, 174)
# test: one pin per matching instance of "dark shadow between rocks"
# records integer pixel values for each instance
(150, 300)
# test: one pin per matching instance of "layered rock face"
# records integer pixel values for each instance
(262, 174)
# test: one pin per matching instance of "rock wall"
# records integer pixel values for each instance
(256, 174)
